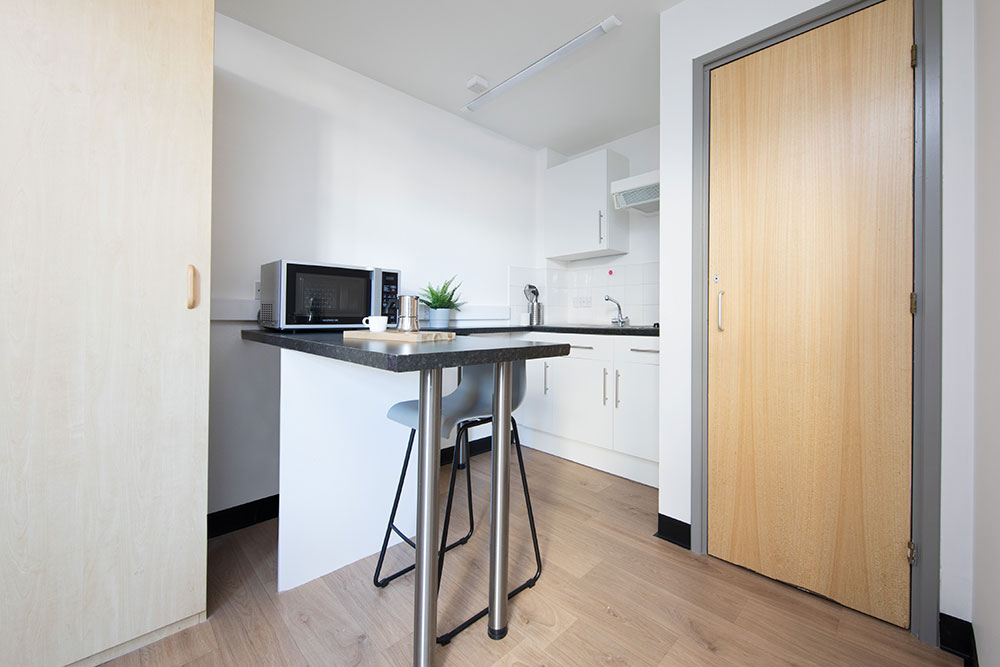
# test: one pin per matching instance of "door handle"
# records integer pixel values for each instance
(605, 386)
(721, 292)
(545, 377)
(618, 400)
(582, 347)
(192, 286)
(600, 226)
(643, 349)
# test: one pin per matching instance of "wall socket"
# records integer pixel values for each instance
(256, 290)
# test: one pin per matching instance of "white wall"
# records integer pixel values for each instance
(958, 308)
(688, 31)
(986, 605)
(315, 162)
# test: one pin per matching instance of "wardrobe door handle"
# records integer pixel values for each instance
(721, 292)
(192, 286)
(600, 226)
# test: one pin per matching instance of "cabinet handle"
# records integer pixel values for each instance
(618, 376)
(605, 387)
(721, 292)
(582, 347)
(545, 377)
(643, 349)
(600, 226)
(192, 286)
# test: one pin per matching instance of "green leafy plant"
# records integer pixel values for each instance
(443, 297)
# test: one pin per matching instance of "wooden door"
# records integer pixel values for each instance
(105, 198)
(810, 344)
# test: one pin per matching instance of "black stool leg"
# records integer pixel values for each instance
(381, 583)
(527, 504)
(448, 636)
(460, 457)
(462, 436)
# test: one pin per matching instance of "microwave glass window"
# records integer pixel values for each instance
(334, 297)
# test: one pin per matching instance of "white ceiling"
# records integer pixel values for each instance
(429, 49)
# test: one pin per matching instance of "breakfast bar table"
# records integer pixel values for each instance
(429, 358)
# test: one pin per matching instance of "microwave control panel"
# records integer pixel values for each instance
(390, 294)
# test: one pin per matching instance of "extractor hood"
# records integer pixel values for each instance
(641, 192)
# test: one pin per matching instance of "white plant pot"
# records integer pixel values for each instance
(440, 317)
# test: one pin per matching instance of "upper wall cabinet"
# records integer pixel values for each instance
(579, 217)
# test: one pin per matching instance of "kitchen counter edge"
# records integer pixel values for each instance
(596, 330)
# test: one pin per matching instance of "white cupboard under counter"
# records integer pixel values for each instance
(598, 406)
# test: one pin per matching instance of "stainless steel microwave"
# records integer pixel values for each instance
(306, 295)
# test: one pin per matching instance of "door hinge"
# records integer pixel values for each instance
(913, 303)
(913, 56)
(911, 552)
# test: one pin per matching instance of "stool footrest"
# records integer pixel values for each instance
(451, 634)
(405, 538)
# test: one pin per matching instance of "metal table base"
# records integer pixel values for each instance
(428, 465)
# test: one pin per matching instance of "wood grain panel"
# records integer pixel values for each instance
(105, 197)
(811, 236)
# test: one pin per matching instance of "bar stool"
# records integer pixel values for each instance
(470, 405)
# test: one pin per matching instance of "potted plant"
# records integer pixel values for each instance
(441, 301)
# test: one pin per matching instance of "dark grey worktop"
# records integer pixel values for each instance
(595, 329)
(402, 357)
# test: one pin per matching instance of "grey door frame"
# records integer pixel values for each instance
(926, 427)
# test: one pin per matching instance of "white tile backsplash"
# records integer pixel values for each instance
(633, 274)
(576, 295)
(558, 278)
(650, 272)
(598, 277)
(634, 295)
(650, 294)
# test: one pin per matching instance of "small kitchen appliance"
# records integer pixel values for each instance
(408, 306)
(307, 295)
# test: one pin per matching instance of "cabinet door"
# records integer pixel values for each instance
(636, 389)
(581, 394)
(106, 175)
(536, 412)
(578, 219)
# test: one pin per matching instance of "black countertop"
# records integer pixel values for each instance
(594, 329)
(403, 357)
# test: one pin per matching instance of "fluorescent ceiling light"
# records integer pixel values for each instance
(534, 68)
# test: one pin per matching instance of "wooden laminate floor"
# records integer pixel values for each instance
(610, 594)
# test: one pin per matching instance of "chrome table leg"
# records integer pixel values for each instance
(428, 465)
(500, 500)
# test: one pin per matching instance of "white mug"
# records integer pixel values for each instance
(376, 323)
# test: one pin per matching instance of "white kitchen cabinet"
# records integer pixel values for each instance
(603, 395)
(538, 406)
(636, 392)
(580, 392)
(579, 217)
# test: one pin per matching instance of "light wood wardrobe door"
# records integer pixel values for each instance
(105, 198)
(811, 237)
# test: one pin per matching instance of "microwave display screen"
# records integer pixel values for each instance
(326, 295)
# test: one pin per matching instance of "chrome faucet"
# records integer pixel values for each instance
(620, 320)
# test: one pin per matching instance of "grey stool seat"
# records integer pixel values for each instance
(470, 405)
(473, 398)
